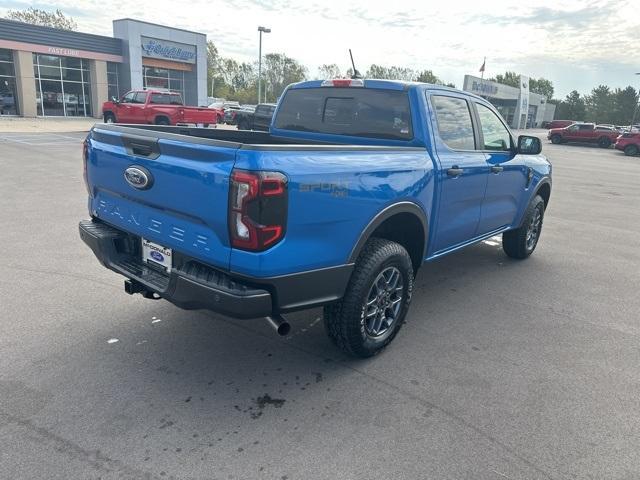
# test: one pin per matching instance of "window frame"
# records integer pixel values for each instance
(481, 133)
(472, 114)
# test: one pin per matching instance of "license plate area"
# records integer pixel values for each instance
(156, 255)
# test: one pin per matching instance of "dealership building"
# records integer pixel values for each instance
(51, 72)
(518, 106)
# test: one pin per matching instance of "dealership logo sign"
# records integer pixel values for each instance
(485, 88)
(168, 50)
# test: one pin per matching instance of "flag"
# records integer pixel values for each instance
(483, 64)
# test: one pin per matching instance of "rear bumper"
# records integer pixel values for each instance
(193, 285)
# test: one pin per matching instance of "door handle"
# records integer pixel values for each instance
(454, 171)
(496, 169)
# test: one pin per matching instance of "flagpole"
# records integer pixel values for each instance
(484, 65)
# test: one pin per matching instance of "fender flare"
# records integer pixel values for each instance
(543, 181)
(384, 214)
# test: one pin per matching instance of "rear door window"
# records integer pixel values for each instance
(355, 111)
(160, 98)
(454, 122)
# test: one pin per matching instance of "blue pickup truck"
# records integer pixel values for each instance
(357, 184)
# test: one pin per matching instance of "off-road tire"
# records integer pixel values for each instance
(515, 243)
(556, 139)
(630, 150)
(345, 319)
(604, 142)
(109, 118)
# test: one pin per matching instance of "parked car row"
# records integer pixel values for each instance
(246, 117)
(604, 135)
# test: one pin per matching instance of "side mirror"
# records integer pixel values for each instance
(528, 145)
(115, 100)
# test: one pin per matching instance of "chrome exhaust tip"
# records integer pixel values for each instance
(279, 324)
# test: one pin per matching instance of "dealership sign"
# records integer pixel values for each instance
(485, 88)
(166, 50)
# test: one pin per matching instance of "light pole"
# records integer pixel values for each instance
(635, 109)
(260, 30)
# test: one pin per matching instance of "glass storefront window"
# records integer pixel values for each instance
(8, 95)
(62, 86)
(113, 83)
(164, 78)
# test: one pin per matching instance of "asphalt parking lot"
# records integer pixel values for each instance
(505, 369)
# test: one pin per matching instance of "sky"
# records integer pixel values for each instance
(577, 44)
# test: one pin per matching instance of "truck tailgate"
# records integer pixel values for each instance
(198, 115)
(183, 206)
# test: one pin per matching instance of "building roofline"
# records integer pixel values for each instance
(158, 25)
(46, 28)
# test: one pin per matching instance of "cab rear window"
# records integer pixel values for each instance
(359, 112)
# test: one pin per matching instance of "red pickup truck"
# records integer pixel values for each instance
(159, 107)
(584, 133)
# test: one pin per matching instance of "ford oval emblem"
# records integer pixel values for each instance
(138, 177)
(157, 256)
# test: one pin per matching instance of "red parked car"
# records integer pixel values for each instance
(159, 107)
(584, 133)
(629, 143)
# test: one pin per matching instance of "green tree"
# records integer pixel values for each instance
(279, 71)
(624, 104)
(36, 16)
(509, 78)
(427, 76)
(600, 104)
(573, 106)
(329, 71)
(390, 73)
(541, 86)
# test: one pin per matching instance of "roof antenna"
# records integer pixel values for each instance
(356, 73)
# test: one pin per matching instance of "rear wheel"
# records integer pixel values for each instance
(162, 121)
(521, 242)
(109, 118)
(376, 301)
(556, 139)
(604, 142)
(630, 150)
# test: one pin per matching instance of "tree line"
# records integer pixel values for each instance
(602, 105)
(227, 78)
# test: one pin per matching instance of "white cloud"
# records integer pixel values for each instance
(575, 43)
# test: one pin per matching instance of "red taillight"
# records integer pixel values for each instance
(85, 160)
(257, 209)
(343, 82)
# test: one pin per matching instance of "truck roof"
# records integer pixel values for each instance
(386, 84)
